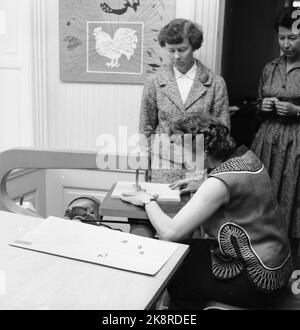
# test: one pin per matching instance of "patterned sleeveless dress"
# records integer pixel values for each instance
(249, 230)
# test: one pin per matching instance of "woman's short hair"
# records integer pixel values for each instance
(217, 140)
(285, 18)
(178, 29)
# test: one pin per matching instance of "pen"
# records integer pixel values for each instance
(137, 186)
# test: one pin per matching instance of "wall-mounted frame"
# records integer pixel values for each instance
(111, 41)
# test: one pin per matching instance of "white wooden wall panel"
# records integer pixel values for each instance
(9, 84)
(39, 72)
(9, 41)
(186, 9)
(15, 75)
(209, 14)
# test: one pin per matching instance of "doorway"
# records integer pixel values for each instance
(249, 42)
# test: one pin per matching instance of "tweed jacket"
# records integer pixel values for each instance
(162, 103)
(161, 100)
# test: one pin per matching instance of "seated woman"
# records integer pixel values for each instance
(246, 260)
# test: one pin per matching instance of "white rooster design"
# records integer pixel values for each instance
(123, 43)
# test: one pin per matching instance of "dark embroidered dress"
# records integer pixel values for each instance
(247, 260)
(277, 143)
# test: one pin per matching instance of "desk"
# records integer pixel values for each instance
(39, 281)
(137, 216)
(117, 208)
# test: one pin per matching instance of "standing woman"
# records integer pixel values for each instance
(277, 142)
(182, 86)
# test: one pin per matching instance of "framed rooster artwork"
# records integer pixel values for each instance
(111, 41)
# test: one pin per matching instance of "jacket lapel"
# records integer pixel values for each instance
(169, 86)
(202, 80)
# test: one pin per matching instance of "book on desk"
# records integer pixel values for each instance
(164, 192)
(115, 207)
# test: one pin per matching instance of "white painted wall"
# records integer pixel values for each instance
(38, 109)
(16, 118)
(78, 113)
(209, 14)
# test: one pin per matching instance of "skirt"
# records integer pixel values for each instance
(194, 284)
(277, 145)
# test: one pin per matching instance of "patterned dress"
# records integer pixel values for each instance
(277, 142)
(249, 228)
(246, 261)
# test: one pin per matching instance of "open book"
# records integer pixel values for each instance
(162, 190)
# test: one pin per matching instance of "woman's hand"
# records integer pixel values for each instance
(286, 108)
(233, 109)
(268, 104)
(138, 198)
(187, 185)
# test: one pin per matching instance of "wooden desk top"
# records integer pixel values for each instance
(115, 207)
(33, 280)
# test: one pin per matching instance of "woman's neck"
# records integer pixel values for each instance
(186, 69)
(291, 61)
(212, 162)
(290, 65)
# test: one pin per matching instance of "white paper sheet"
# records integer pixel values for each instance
(98, 245)
(162, 190)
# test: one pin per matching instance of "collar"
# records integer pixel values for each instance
(242, 160)
(237, 152)
(203, 75)
(281, 62)
(191, 74)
